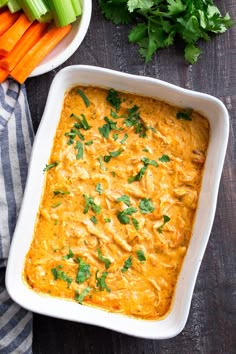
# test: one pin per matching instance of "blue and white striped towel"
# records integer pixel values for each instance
(16, 138)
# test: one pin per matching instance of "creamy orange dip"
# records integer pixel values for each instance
(118, 206)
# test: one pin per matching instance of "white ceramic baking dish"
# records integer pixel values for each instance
(217, 115)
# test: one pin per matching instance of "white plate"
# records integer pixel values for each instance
(69, 44)
(218, 118)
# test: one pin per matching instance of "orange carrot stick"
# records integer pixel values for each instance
(27, 41)
(3, 75)
(6, 20)
(9, 39)
(23, 69)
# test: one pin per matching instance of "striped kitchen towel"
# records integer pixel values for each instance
(16, 138)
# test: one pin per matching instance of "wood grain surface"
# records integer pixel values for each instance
(211, 327)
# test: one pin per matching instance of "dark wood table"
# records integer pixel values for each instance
(211, 327)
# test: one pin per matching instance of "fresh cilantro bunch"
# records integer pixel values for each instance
(159, 22)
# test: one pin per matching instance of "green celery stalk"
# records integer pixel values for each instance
(34, 9)
(3, 3)
(77, 7)
(13, 6)
(63, 12)
(46, 18)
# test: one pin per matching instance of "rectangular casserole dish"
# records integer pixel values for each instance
(176, 318)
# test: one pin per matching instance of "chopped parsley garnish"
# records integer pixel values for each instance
(124, 139)
(141, 256)
(125, 199)
(56, 205)
(90, 142)
(80, 148)
(60, 192)
(89, 203)
(83, 271)
(113, 173)
(145, 150)
(164, 158)
(139, 175)
(135, 223)
(147, 162)
(134, 120)
(51, 165)
(80, 297)
(122, 215)
(101, 282)
(146, 206)
(59, 274)
(107, 220)
(185, 115)
(127, 264)
(106, 261)
(94, 219)
(84, 97)
(114, 99)
(117, 153)
(69, 255)
(108, 127)
(99, 188)
(166, 219)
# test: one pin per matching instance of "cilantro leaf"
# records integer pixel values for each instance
(147, 162)
(116, 11)
(94, 219)
(141, 256)
(99, 188)
(89, 203)
(69, 255)
(185, 115)
(117, 153)
(138, 176)
(59, 274)
(125, 199)
(166, 219)
(114, 99)
(122, 215)
(80, 297)
(106, 261)
(127, 264)
(107, 220)
(83, 271)
(164, 158)
(146, 206)
(101, 282)
(124, 139)
(135, 223)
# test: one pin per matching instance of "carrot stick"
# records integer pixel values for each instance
(6, 20)
(23, 69)
(3, 75)
(9, 39)
(27, 41)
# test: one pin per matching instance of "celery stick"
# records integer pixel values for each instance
(63, 12)
(34, 9)
(77, 7)
(13, 6)
(46, 18)
(3, 3)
